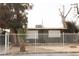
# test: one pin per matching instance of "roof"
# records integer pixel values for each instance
(47, 28)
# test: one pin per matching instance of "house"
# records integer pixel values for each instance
(45, 35)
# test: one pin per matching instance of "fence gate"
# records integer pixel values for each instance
(4, 43)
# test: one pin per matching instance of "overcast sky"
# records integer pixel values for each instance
(47, 10)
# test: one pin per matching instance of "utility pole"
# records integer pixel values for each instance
(76, 11)
(63, 16)
(42, 22)
(76, 6)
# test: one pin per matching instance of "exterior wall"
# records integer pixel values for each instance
(43, 37)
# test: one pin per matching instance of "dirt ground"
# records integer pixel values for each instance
(46, 48)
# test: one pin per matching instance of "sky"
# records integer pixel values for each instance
(47, 11)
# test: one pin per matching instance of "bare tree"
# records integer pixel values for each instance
(63, 15)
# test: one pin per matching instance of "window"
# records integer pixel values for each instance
(32, 34)
(54, 33)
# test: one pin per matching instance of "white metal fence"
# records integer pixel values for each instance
(4, 43)
(42, 43)
(45, 38)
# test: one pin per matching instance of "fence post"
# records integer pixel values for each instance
(8, 41)
(5, 42)
(35, 43)
(63, 38)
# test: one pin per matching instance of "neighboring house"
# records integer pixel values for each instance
(45, 35)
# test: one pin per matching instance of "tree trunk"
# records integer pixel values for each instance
(14, 39)
(22, 43)
(22, 47)
(18, 40)
(22, 40)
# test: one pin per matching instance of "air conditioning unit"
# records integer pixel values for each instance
(39, 26)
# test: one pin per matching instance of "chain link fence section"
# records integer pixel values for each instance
(4, 43)
(42, 43)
